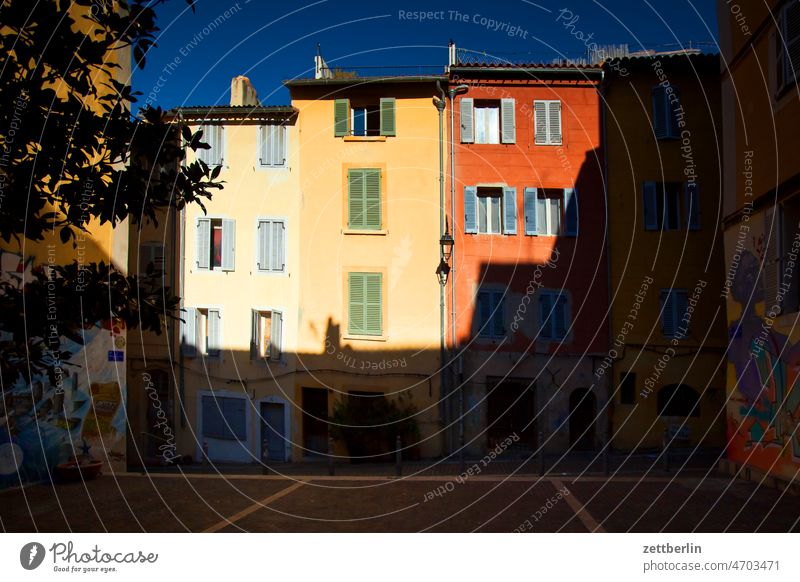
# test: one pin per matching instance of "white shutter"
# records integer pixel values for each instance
(540, 122)
(668, 313)
(264, 153)
(508, 121)
(772, 257)
(509, 210)
(276, 247)
(554, 122)
(189, 332)
(280, 265)
(263, 245)
(467, 123)
(276, 339)
(228, 244)
(203, 243)
(254, 333)
(219, 156)
(214, 336)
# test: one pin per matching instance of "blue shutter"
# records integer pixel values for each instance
(470, 209)
(681, 305)
(545, 316)
(530, 212)
(649, 193)
(560, 323)
(498, 315)
(571, 211)
(467, 123)
(235, 418)
(660, 112)
(667, 313)
(509, 210)
(213, 426)
(692, 202)
(484, 313)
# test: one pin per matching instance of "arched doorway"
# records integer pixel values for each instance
(582, 417)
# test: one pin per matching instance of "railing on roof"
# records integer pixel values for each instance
(381, 71)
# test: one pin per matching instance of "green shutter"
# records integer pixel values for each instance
(365, 303)
(372, 199)
(341, 117)
(364, 199)
(388, 122)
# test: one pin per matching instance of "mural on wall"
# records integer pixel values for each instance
(764, 407)
(47, 428)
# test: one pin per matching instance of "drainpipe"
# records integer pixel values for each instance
(181, 271)
(452, 93)
(440, 106)
(609, 384)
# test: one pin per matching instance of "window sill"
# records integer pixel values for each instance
(369, 338)
(381, 232)
(364, 138)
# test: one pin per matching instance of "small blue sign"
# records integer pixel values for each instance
(116, 356)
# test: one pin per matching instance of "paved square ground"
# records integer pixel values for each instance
(196, 503)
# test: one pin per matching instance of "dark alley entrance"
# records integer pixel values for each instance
(582, 415)
(511, 408)
(315, 421)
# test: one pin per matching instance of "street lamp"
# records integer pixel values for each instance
(442, 271)
(446, 244)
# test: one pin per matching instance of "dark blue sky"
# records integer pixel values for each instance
(272, 41)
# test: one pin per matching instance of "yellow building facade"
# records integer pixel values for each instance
(668, 338)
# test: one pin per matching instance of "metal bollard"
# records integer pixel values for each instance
(206, 460)
(330, 457)
(398, 457)
(264, 456)
(606, 453)
(541, 454)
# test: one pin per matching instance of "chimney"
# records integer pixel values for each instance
(243, 92)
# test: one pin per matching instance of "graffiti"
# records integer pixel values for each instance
(78, 418)
(765, 412)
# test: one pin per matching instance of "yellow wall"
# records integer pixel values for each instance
(249, 193)
(660, 260)
(406, 251)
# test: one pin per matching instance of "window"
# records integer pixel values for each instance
(364, 199)
(272, 146)
(364, 119)
(487, 121)
(779, 249)
(201, 330)
(490, 217)
(271, 250)
(490, 210)
(665, 108)
(266, 334)
(662, 205)
(787, 46)
(627, 388)
(673, 308)
(491, 314)
(551, 211)
(215, 244)
(214, 136)
(678, 400)
(553, 315)
(224, 418)
(547, 122)
(151, 259)
(365, 303)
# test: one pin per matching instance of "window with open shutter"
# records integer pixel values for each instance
(388, 116)
(660, 112)
(554, 123)
(341, 117)
(365, 303)
(508, 121)
(490, 310)
(509, 210)
(228, 244)
(547, 122)
(530, 212)
(540, 122)
(364, 199)
(214, 136)
(649, 204)
(673, 308)
(467, 122)
(553, 315)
